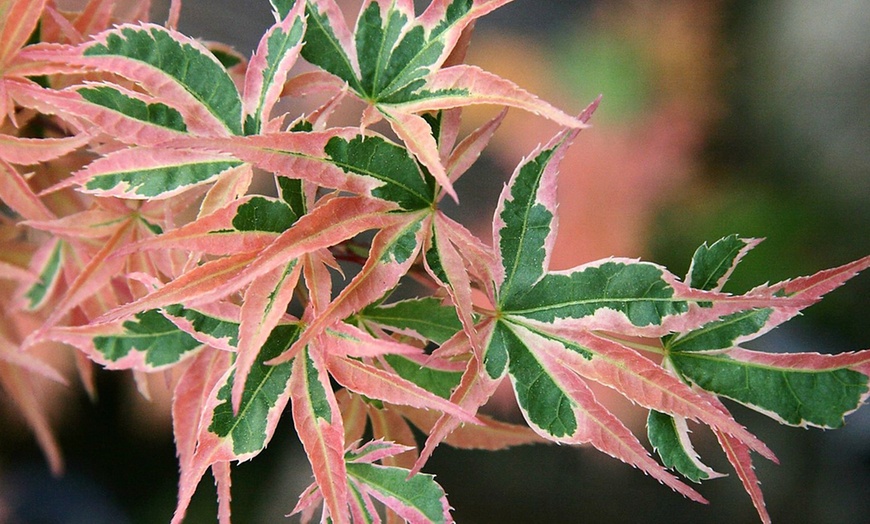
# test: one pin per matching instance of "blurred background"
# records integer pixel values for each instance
(718, 117)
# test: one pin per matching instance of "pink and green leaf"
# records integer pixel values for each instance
(264, 306)
(132, 105)
(724, 333)
(149, 173)
(798, 389)
(215, 325)
(329, 41)
(634, 291)
(391, 54)
(188, 400)
(267, 71)
(401, 179)
(263, 399)
(148, 342)
(634, 376)
(385, 385)
(424, 318)
(159, 57)
(319, 426)
(224, 435)
(127, 116)
(465, 85)
(792, 394)
(669, 437)
(416, 133)
(559, 404)
(712, 265)
(416, 499)
(429, 377)
(394, 249)
(524, 227)
(46, 263)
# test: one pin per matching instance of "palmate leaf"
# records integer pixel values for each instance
(540, 309)
(560, 406)
(798, 389)
(803, 389)
(390, 54)
(392, 57)
(543, 337)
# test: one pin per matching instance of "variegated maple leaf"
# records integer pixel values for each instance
(400, 64)
(163, 253)
(552, 331)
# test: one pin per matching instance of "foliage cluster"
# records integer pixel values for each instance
(178, 219)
